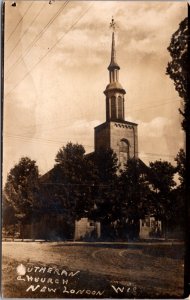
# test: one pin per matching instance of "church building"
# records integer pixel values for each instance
(116, 133)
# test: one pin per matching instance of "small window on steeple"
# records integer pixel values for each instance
(120, 107)
(113, 107)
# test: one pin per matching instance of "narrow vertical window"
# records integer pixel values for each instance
(120, 108)
(113, 107)
(123, 152)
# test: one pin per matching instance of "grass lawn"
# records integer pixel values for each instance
(70, 270)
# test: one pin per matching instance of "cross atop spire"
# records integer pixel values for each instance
(113, 64)
(113, 25)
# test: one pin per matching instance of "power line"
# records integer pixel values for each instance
(155, 102)
(148, 107)
(40, 139)
(89, 146)
(61, 126)
(57, 127)
(28, 49)
(19, 22)
(65, 120)
(52, 128)
(159, 154)
(150, 156)
(34, 140)
(80, 17)
(41, 124)
(144, 108)
(15, 46)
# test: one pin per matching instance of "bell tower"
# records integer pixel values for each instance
(114, 91)
(116, 133)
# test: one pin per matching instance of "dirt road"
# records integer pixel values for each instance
(151, 267)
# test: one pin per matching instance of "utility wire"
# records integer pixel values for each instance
(29, 48)
(27, 140)
(19, 22)
(133, 110)
(148, 107)
(15, 46)
(89, 146)
(39, 139)
(170, 99)
(41, 124)
(66, 120)
(149, 155)
(72, 26)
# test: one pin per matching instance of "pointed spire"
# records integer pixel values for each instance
(113, 64)
(113, 52)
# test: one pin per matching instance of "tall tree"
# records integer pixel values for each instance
(107, 165)
(178, 67)
(21, 190)
(162, 176)
(162, 183)
(71, 163)
(73, 172)
(181, 167)
(180, 191)
(178, 70)
(134, 196)
(9, 219)
(104, 192)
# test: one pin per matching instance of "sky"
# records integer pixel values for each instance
(55, 71)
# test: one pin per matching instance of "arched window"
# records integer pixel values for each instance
(124, 145)
(113, 107)
(120, 107)
(123, 152)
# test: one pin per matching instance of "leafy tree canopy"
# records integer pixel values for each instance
(181, 164)
(178, 67)
(135, 189)
(75, 173)
(8, 216)
(161, 176)
(22, 187)
(70, 163)
(107, 165)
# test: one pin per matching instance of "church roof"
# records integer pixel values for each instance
(114, 86)
(113, 65)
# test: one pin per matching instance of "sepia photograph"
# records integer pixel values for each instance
(93, 180)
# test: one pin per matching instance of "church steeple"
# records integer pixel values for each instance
(113, 66)
(114, 91)
(116, 133)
